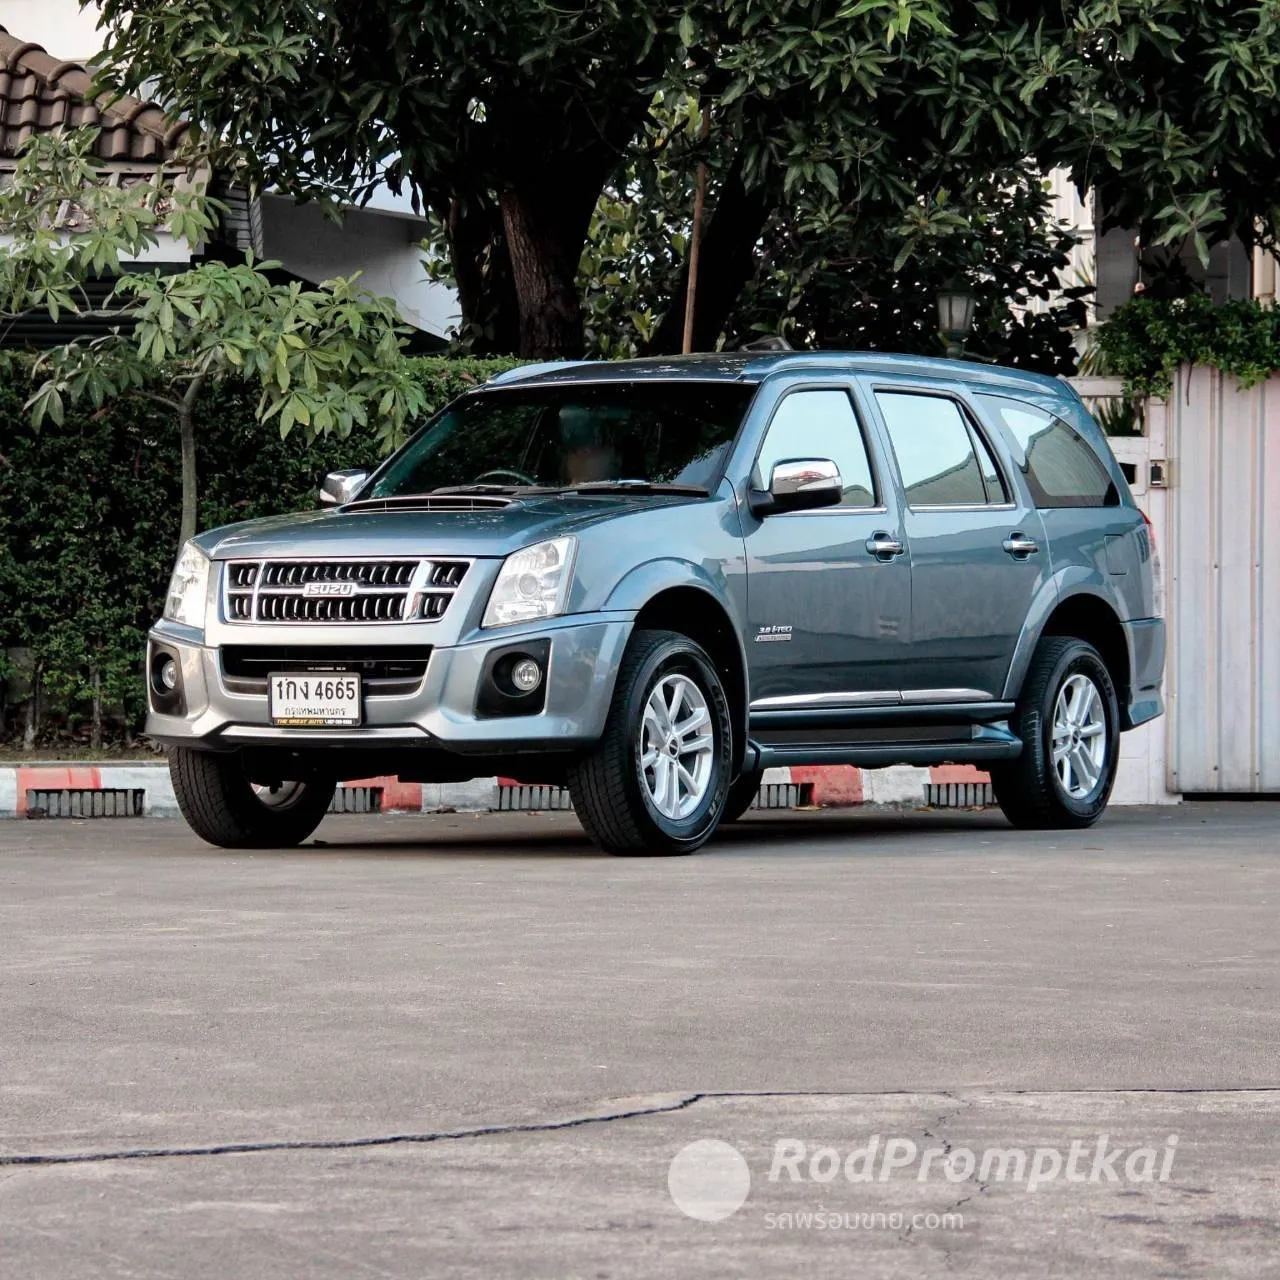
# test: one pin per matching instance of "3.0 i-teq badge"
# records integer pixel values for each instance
(773, 635)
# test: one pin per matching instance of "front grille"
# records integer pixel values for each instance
(386, 670)
(340, 591)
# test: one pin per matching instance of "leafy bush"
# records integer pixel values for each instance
(89, 516)
(1146, 340)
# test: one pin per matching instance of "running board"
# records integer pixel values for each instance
(989, 742)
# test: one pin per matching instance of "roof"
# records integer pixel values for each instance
(38, 93)
(748, 366)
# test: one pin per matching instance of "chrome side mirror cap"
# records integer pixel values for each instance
(340, 487)
(799, 484)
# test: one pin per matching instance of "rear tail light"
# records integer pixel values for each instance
(1157, 577)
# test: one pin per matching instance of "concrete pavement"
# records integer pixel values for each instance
(580, 1019)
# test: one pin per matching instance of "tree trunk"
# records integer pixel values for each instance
(32, 726)
(490, 321)
(95, 724)
(725, 262)
(187, 436)
(545, 234)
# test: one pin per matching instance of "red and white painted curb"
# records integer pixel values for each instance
(833, 786)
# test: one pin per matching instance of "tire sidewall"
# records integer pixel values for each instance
(680, 656)
(1082, 659)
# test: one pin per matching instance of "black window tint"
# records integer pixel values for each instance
(820, 424)
(1061, 467)
(934, 450)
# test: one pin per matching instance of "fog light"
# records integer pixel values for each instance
(169, 674)
(526, 675)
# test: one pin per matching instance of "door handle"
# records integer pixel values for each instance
(884, 546)
(1019, 546)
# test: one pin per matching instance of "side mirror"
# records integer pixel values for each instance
(341, 486)
(799, 484)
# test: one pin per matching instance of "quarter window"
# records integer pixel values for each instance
(1061, 466)
(937, 452)
(820, 424)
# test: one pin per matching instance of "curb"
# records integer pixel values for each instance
(830, 787)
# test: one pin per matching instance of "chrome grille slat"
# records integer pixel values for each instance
(381, 590)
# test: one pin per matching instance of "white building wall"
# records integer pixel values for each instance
(383, 247)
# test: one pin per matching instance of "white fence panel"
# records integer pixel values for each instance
(1223, 567)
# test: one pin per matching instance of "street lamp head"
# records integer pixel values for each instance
(956, 308)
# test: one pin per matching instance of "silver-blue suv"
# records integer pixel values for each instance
(652, 580)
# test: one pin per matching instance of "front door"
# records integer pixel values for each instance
(979, 554)
(828, 591)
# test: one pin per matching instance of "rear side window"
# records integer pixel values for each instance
(937, 452)
(820, 424)
(1061, 467)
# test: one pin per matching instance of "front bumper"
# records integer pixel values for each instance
(442, 712)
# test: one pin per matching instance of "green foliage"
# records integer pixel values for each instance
(89, 518)
(1146, 340)
(327, 358)
(858, 108)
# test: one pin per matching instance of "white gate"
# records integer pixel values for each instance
(1223, 570)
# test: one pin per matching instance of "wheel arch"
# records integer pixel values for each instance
(695, 612)
(1088, 616)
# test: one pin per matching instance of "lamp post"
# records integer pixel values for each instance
(956, 307)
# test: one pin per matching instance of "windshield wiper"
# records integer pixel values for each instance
(635, 486)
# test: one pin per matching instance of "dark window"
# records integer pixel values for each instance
(547, 436)
(935, 451)
(1061, 466)
(820, 424)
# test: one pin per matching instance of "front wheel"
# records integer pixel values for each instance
(657, 780)
(1069, 721)
(221, 804)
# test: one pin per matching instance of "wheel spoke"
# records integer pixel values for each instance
(676, 703)
(1084, 768)
(1094, 730)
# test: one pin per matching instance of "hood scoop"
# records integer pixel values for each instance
(426, 502)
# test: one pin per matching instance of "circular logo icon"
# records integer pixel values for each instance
(709, 1180)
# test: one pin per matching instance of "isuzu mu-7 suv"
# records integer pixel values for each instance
(652, 580)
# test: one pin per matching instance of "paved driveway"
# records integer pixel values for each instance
(462, 1045)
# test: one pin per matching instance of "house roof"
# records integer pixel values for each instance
(38, 93)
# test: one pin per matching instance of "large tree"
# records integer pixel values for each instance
(508, 121)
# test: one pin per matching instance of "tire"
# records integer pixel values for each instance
(221, 805)
(1035, 791)
(616, 795)
(742, 793)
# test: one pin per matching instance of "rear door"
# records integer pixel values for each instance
(979, 554)
(829, 613)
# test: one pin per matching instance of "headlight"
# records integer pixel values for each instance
(532, 584)
(189, 587)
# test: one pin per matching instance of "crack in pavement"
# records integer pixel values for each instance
(656, 1105)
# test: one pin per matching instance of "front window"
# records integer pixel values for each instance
(572, 435)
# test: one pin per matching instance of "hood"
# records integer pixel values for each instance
(496, 531)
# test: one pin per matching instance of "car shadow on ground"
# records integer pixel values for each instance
(558, 835)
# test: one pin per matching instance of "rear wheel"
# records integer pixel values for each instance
(657, 781)
(1069, 721)
(221, 804)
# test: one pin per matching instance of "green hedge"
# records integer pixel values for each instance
(89, 529)
(1146, 340)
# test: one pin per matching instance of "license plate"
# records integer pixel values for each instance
(314, 699)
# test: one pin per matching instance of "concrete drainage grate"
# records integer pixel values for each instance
(86, 802)
(773, 795)
(356, 800)
(959, 795)
(784, 795)
(526, 798)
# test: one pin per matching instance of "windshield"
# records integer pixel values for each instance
(568, 435)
